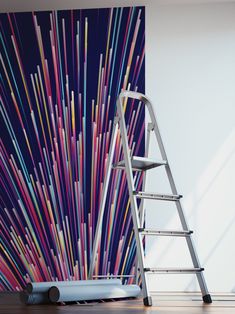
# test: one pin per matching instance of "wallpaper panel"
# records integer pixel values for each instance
(61, 72)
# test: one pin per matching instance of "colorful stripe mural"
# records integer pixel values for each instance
(60, 74)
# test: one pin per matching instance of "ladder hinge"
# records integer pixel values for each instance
(150, 126)
(116, 119)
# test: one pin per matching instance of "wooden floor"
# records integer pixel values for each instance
(163, 304)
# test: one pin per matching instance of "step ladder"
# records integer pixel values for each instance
(135, 163)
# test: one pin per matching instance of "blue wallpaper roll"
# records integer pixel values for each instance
(76, 293)
(33, 287)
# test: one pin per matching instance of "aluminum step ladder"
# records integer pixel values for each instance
(136, 163)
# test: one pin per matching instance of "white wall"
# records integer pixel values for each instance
(190, 58)
(190, 76)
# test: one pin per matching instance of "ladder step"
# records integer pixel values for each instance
(163, 197)
(173, 270)
(140, 163)
(113, 276)
(174, 233)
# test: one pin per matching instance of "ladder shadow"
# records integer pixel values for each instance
(213, 249)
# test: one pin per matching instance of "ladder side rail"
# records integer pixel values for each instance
(141, 207)
(142, 98)
(103, 198)
(190, 243)
(134, 207)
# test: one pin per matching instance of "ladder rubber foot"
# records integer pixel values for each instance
(148, 301)
(207, 298)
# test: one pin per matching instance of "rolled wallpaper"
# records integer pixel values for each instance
(36, 287)
(76, 293)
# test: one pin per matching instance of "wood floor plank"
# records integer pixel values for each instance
(163, 304)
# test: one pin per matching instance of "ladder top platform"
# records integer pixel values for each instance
(141, 163)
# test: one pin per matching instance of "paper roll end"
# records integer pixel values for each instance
(29, 287)
(54, 294)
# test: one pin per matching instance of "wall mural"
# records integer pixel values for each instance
(61, 72)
